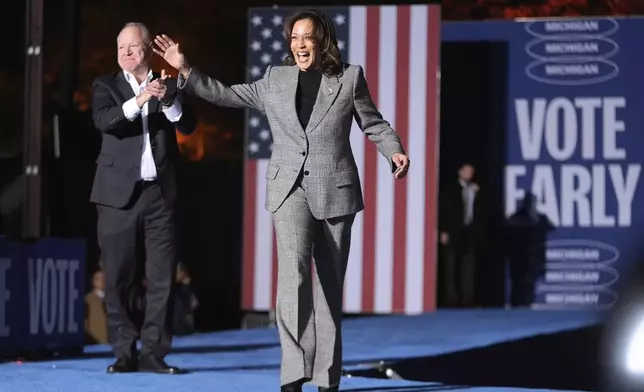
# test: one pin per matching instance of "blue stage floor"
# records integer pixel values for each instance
(249, 360)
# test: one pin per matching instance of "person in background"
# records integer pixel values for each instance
(138, 113)
(526, 235)
(185, 303)
(95, 316)
(458, 235)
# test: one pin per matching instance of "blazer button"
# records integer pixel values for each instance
(303, 153)
(306, 172)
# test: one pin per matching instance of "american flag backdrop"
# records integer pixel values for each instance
(392, 264)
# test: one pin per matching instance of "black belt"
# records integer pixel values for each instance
(144, 184)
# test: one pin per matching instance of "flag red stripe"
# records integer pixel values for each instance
(248, 266)
(431, 151)
(370, 166)
(402, 127)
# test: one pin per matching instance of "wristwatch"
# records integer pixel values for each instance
(168, 101)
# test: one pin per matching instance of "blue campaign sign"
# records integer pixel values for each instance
(41, 296)
(574, 135)
(12, 326)
(55, 284)
(574, 141)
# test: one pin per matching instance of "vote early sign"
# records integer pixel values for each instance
(41, 296)
(574, 194)
(574, 141)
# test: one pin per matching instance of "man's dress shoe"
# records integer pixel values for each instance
(123, 365)
(155, 365)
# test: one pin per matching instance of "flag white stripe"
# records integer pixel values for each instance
(416, 149)
(383, 287)
(263, 242)
(357, 55)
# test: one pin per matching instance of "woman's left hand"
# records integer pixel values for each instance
(402, 163)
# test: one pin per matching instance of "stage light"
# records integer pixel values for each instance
(635, 350)
(622, 353)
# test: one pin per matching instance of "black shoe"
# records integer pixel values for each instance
(152, 364)
(123, 365)
(331, 389)
(295, 386)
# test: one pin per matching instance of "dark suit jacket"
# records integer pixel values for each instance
(452, 213)
(118, 163)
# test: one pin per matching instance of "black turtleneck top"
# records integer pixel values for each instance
(307, 92)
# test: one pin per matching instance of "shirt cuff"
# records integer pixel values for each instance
(174, 112)
(131, 109)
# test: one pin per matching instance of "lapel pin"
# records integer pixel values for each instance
(330, 90)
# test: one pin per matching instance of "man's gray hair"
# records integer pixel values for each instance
(145, 32)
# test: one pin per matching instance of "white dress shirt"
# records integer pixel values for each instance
(131, 110)
(469, 194)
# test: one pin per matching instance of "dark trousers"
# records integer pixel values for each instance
(146, 225)
(459, 271)
(459, 278)
(523, 277)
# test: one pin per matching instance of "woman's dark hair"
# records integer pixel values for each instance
(325, 40)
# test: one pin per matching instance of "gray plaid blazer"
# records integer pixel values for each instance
(322, 151)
